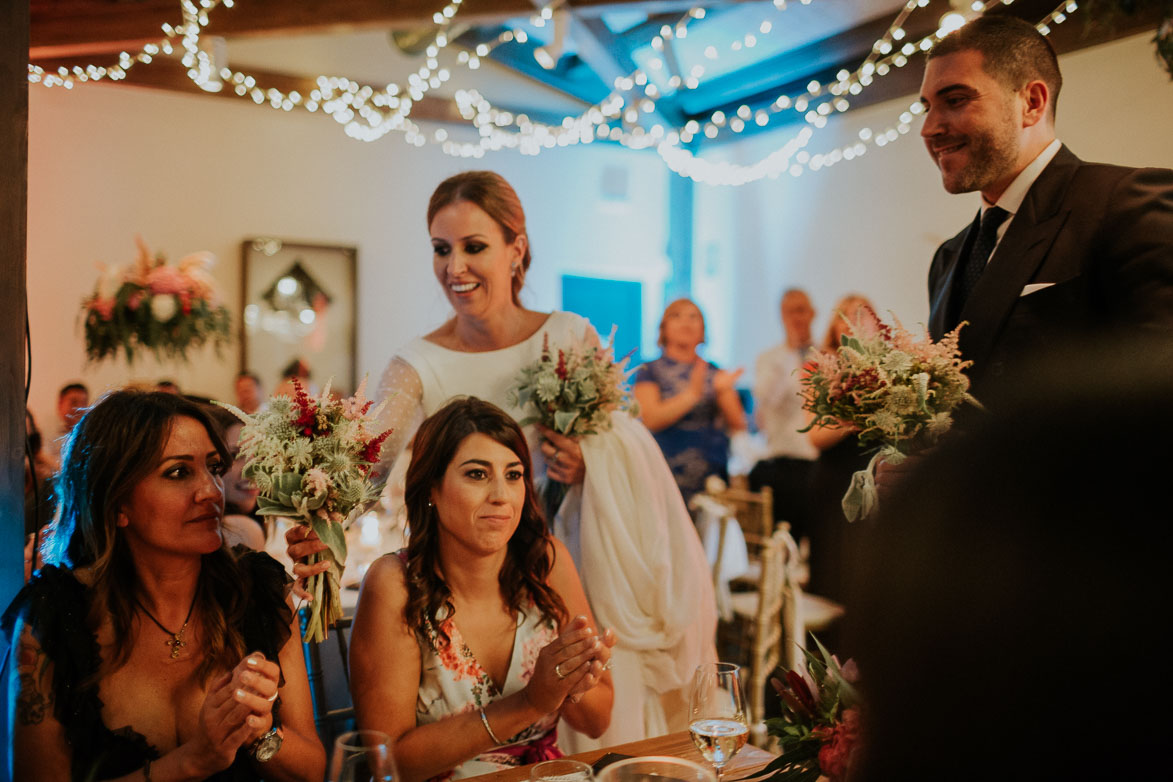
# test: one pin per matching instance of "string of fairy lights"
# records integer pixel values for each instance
(627, 115)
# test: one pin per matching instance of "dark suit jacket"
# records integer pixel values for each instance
(1101, 235)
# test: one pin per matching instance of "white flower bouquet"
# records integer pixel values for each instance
(897, 391)
(573, 390)
(311, 461)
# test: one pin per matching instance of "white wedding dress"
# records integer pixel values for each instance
(641, 562)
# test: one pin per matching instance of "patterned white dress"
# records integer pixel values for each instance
(453, 682)
(626, 527)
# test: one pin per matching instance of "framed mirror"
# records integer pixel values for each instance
(298, 312)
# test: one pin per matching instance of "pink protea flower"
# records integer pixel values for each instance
(104, 308)
(166, 279)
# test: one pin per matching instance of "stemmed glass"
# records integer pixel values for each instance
(716, 718)
(361, 756)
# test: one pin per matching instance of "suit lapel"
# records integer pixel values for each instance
(1017, 257)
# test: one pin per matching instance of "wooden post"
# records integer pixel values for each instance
(14, 107)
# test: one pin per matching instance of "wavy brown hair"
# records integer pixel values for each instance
(530, 554)
(489, 191)
(114, 446)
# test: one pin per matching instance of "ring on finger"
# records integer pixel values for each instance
(272, 697)
(607, 665)
(558, 671)
(554, 458)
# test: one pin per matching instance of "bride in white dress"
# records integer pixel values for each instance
(623, 519)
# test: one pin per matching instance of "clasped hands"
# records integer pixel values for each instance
(237, 710)
(570, 666)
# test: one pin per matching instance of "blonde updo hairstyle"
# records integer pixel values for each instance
(489, 191)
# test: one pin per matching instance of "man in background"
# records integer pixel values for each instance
(778, 408)
(72, 401)
(249, 394)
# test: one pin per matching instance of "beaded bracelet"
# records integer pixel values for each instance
(488, 729)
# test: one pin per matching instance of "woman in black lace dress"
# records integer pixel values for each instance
(145, 649)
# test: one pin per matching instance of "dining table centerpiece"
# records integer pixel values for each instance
(150, 305)
(820, 728)
(895, 390)
(572, 389)
(311, 460)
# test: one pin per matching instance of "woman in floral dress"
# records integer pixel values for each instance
(469, 645)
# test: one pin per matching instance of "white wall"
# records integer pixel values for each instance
(194, 173)
(871, 225)
(191, 173)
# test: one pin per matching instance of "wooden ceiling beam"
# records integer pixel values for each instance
(67, 28)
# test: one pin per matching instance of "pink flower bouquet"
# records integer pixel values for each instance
(149, 305)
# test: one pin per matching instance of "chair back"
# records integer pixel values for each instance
(754, 510)
(329, 678)
(765, 651)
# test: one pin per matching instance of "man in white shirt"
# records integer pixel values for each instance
(778, 409)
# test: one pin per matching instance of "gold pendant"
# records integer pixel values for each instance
(176, 643)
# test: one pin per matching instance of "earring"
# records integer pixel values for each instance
(430, 505)
(516, 267)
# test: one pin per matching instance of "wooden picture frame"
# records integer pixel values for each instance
(299, 302)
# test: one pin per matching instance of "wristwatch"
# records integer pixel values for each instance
(264, 748)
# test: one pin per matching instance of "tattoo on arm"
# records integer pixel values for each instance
(34, 701)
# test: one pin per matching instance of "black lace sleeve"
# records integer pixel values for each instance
(55, 607)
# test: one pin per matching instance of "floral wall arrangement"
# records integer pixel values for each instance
(151, 306)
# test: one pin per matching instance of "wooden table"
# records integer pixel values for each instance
(677, 745)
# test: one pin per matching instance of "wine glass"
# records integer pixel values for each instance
(361, 756)
(650, 769)
(716, 718)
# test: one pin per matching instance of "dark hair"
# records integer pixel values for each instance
(250, 375)
(661, 341)
(489, 191)
(65, 389)
(1012, 50)
(296, 368)
(110, 450)
(1027, 563)
(530, 555)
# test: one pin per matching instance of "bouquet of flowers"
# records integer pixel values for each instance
(311, 461)
(819, 730)
(572, 390)
(149, 305)
(898, 392)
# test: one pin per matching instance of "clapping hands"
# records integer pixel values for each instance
(570, 665)
(237, 710)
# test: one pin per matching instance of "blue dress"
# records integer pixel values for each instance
(697, 445)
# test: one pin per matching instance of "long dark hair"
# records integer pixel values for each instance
(530, 554)
(489, 191)
(110, 450)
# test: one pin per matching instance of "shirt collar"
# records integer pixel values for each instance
(1012, 198)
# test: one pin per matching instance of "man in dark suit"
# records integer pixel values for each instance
(1061, 249)
(1061, 252)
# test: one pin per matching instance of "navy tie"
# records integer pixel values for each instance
(979, 254)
